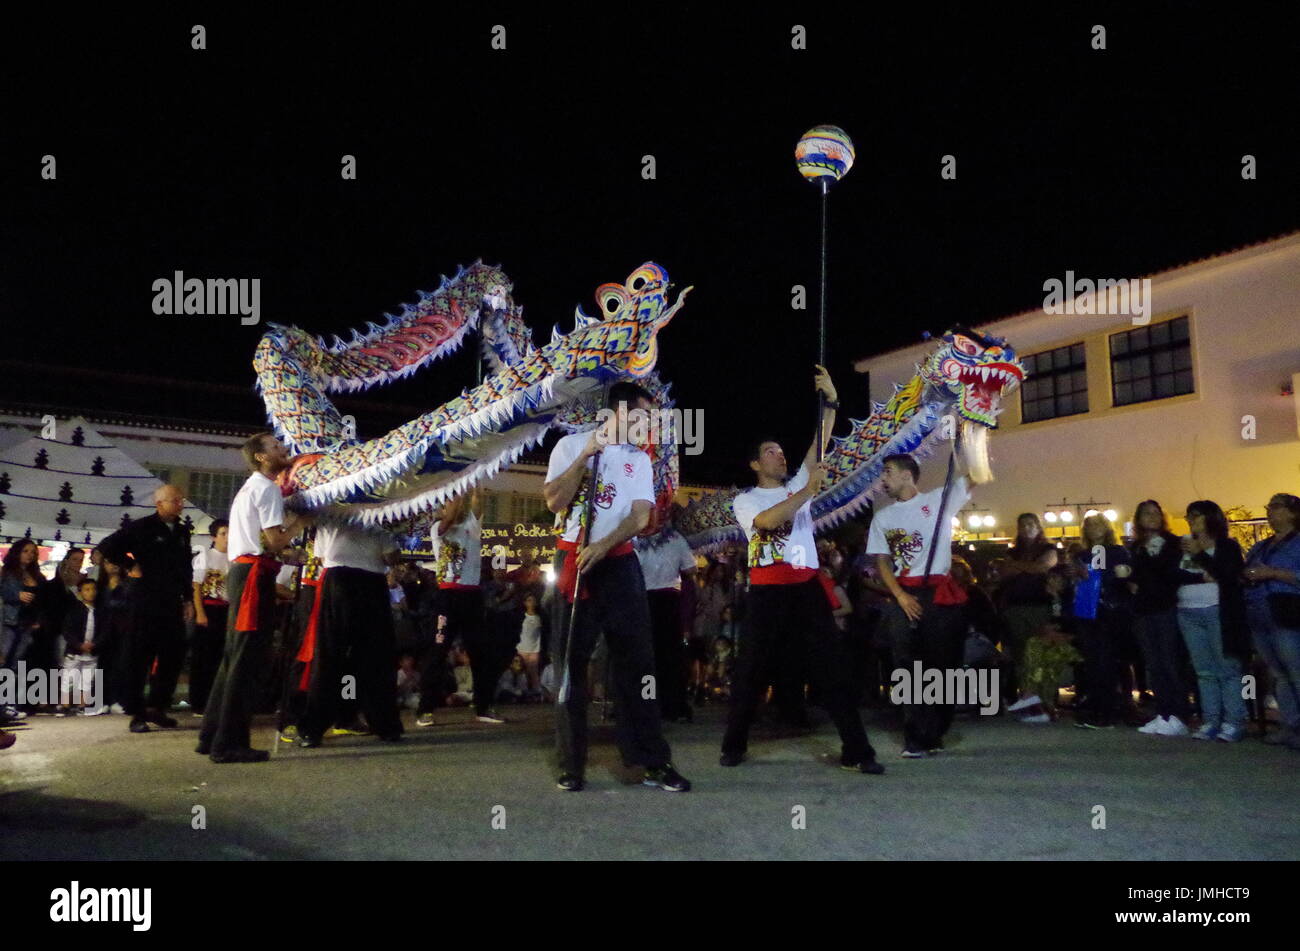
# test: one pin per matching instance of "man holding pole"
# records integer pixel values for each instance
(605, 503)
(788, 612)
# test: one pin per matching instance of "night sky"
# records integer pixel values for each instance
(225, 163)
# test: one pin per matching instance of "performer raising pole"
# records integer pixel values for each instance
(788, 611)
(612, 596)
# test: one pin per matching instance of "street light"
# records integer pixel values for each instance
(973, 521)
(989, 521)
(1049, 517)
(1067, 516)
(1111, 515)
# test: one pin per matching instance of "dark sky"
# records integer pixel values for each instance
(225, 163)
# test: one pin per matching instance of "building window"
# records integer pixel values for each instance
(1056, 384)
(162, 473)
(214, 491)
(1151, 363)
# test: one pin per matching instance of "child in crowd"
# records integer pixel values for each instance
(408, 683)
(720, 668)
(513, 685)
(529, 647)
(82, 625)
(1049, 652)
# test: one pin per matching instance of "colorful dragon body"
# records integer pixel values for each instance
(964, 379)
(396, 479)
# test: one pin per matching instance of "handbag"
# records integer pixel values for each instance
(1087, 594)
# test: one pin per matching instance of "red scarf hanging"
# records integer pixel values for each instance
(307, 652)
(251, 598)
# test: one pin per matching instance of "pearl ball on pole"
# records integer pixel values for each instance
(824, 155)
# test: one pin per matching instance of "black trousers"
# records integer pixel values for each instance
(793, 622)
(157, 633)
(355, 636)
(670, 653)
(1162, 646)
(937, 642)
(228, 717)
(206, 647)
(1100, 642)
(489, 656)
(617, 606)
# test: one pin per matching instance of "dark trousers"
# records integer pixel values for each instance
(354, 636)
(670, 653)
(229, 713)
(206, 647)
(793, 622)
(618, 607)
(1100, 641)
(488, 657)
(937, 642)
(1161, 643)
(155, 635)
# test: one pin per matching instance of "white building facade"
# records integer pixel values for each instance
(1195, 399)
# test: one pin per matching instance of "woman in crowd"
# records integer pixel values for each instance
(1102, 619)
(21, 584)
(1156, 554)
(1272, 594)
(1212, 618)
(1022, 591)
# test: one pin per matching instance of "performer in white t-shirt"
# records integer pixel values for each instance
(352, 632)
(458, 558)
(604, 571)
(788, 611)
(259, 530)
(669, 570)
(924, 622)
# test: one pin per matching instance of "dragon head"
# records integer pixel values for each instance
(632, 314)
(976, 370)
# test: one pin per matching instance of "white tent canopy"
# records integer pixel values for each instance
(76, 487)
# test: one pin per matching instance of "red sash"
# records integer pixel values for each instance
(250, 599)
(946, 590)
(307, 652)
(780, 573)
(568, 580)
(828, 585)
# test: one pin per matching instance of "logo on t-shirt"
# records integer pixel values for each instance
(627, 469)
(925, 510)
(605, 494)
(767, 547)
(904, 546)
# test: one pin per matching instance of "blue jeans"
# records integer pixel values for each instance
(1280, 648)
(1218, 675)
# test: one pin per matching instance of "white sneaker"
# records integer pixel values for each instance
(116, 708)
(1174, 727)
(94, 711)
(1036, 718)
(1021, 704)
(491, 717)
(1154, 726)
(1208, 731)
(1231, 733)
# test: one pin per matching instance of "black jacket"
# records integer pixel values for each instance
(1224, 566)
(74, 629)
(1157, 577)
(164, 557)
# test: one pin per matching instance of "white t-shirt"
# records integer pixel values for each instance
(772, 553)
(257, 505)
(346, 547)
(530, 635)
(1204, 595)
(210, 568)
(663, 564)
(905, 530)
(624, 478)
(459, 552)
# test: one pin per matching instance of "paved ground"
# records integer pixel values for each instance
(87, 789)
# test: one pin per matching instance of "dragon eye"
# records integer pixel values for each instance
(965, 345)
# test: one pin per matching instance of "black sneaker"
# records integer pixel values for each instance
(731, 759)
(868, 766)
(569, 782)
(138, 725)
(665, 777)
(163, 720)
(308, 742)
